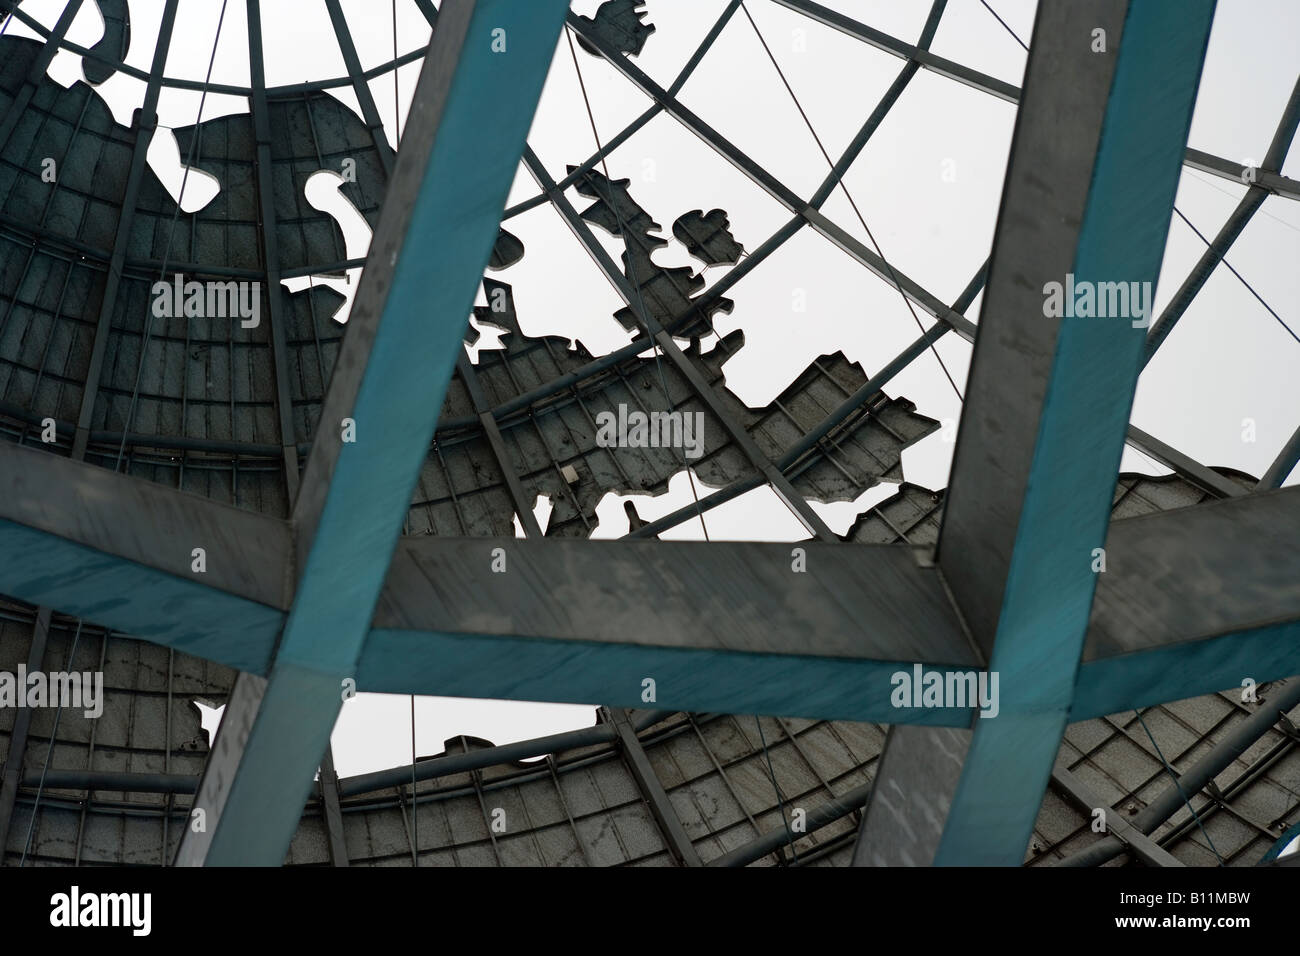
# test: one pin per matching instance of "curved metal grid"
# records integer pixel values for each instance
(200, 411)
(580, 804)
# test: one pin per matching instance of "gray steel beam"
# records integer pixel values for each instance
(328, 785)
(819, 817)
(741, 486)
(36, 75)
(1141, 846)
(1226, 169)
(433, 239)
(652, 790)
(1218, 759)
(477, 759)
(428, 12)
(369, 112)
(1199, 550)
(1267, 178)
(922, 763)
(1193, 601)
(705, 45)
(1239, 552)
(224, 764)
(523, 508)
(120, 552)
(12, 775)
(1215, 798)
(1186, 597)
(892, 45)
(125, 782)
(1207, 479)
(271, 250)
(1228, 233)
(928, 302)
(723, 627)
(1198, 159)
(1280, 145)
(841, 166)
(1201, 272)
(915, 780)
(145, 122)
(684, 366)
(1050, 392)
(1283, 464)
(774, 187)
(997, 436)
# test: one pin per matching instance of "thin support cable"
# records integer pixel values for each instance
(845, 189)
(1222, 258)
(780, 797)
(49, 752)
(1227, 192)
(171, 232)
(1004, 25)
(1174, 777)
(631, 267)
(415, 819)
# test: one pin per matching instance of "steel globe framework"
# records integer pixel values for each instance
(257, 513)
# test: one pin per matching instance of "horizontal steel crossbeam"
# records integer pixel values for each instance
(1186, 597)
(122, 552)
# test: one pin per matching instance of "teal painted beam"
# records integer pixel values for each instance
(815, 687)
(177, 569)
(1124, 682)
(724, 627)
(1192, 601)
(462, 141)
(617, 674)
(175, 610)
(1088, 394)
(552, 669)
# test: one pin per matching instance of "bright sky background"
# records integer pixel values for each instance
(1228, 362)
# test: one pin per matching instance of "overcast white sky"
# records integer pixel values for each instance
(1228, 361)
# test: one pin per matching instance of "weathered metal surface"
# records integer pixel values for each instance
(121, 552)
(216, 406)
(1052, 393)
(432, 243)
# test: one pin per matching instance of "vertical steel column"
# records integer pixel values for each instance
(1088, 202)
(271, 250)
(435, 233)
